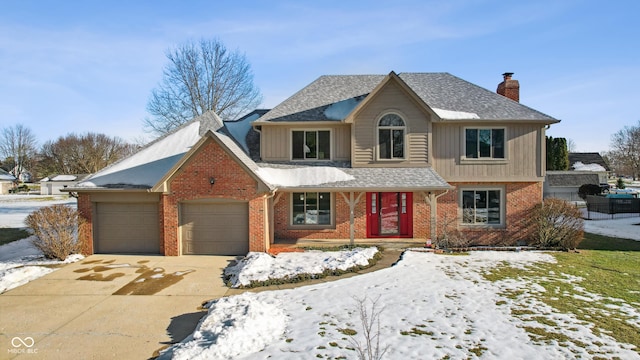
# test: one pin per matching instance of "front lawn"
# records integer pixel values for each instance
(8, 235)
(600, 287)
(601, 242)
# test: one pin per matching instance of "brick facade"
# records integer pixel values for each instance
(192, 183)
(520, 198)
(85, 234)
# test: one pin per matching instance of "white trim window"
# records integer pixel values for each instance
(484, 143)
(311, 208)
(310, 145)
(391, 133)
(482, 206)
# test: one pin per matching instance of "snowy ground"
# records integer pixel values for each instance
(430, 307)
(20, 261)
(626, 228)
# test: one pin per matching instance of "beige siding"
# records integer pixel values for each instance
(523, 158)
(391, 98)
(275, 143)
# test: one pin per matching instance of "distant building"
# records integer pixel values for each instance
(51, 185)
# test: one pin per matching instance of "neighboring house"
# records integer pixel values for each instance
(584, 168)
(52, 185)
(590, 161)
(565, 184)
(7, 182)
(375, 157)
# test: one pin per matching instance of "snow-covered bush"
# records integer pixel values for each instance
(557, 223)
(56, 230)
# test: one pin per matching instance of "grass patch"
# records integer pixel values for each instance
(348, 331)
(601, 242)
(478, 350)
(415, 331)
(586, 284)
(8, 235)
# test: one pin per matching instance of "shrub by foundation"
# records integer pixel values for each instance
(557, 224)
(56, 231)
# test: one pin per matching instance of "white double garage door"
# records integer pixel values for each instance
(220, 228)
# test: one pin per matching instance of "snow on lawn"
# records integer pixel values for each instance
(20, 261)
(625, 228)
(15, 208)
(262, 267)
(431, 306)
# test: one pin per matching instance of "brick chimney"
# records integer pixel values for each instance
(509, 88)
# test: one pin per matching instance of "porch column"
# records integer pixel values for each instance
(432, 199)
(352, 208)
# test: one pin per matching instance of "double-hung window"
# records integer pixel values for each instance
(480, 207)
(391, 131)
(311, 208)
(311, 145)
(484, 143)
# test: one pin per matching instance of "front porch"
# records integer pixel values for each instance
(386, 243)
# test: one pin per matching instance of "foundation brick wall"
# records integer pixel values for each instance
(521, 198)
(192, 182)
(85, 234)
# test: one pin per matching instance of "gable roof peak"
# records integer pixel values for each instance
(209, 121)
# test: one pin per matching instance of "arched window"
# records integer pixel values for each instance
(391, 131)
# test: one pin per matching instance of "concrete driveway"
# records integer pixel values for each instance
(109, 307)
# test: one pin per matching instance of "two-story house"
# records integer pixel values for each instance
(373, 157)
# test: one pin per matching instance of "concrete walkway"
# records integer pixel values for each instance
(117, 306)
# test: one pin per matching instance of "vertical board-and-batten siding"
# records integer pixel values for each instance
(522, 159)
(275, 144)
(391, 98)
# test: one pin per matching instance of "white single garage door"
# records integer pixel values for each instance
(215, 228)
(127, 228)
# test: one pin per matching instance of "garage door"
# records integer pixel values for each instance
(127, 228)
(215, 229)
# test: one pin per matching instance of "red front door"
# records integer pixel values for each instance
(389, 214)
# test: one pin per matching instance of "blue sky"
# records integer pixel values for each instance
(79, 66)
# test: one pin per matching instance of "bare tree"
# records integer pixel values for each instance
(200, 77)
(571, 145)
(82, 154)
(18, 145)
(370, 348)
(625, 151)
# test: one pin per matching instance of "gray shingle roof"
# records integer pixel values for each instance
(571, 179)
(438, 90)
